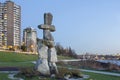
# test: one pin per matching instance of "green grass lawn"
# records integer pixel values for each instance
(11, 59)
(95, 76)
(64, 57)
(16, 64)
(21, 57)
(16, 57)
(4, 76)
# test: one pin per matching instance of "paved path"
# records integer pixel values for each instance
(9, 69)
(101, 72)
(70, 60)
(9, 72)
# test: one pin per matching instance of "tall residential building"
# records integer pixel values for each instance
(10, 24)
(30, 39)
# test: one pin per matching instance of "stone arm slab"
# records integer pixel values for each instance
(47, 27)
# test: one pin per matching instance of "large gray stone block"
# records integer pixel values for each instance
(43, 53)
(53, 55)
(42, 66)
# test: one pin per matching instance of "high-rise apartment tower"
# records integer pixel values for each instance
(30, 39)
(10, 24)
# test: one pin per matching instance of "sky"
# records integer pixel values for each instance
(91, 26)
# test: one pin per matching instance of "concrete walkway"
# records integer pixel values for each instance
(11, 75)
(101, 72)
(9, 72)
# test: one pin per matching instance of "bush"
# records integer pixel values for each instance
(24, 48)
(31, 73)
(72, 72)
(28, 73)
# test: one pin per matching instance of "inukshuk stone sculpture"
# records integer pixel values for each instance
(46, 63)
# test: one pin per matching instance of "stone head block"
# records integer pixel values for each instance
(48, 18)
(47, 27)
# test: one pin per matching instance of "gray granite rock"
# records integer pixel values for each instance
(53, 57)
(43, 52)
(42, 66)
(46, 48)
(48, 18)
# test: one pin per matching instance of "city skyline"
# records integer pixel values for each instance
(87, 26)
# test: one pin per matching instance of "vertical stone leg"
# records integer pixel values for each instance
(55, 67)
(42, 62)
(43, 68)
(52, 58)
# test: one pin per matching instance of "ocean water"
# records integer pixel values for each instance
(110, 61)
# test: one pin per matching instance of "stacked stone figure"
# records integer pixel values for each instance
(46, 63)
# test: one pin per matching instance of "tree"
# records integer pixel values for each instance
(24, 48)
(65, 51)
(60, 49)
